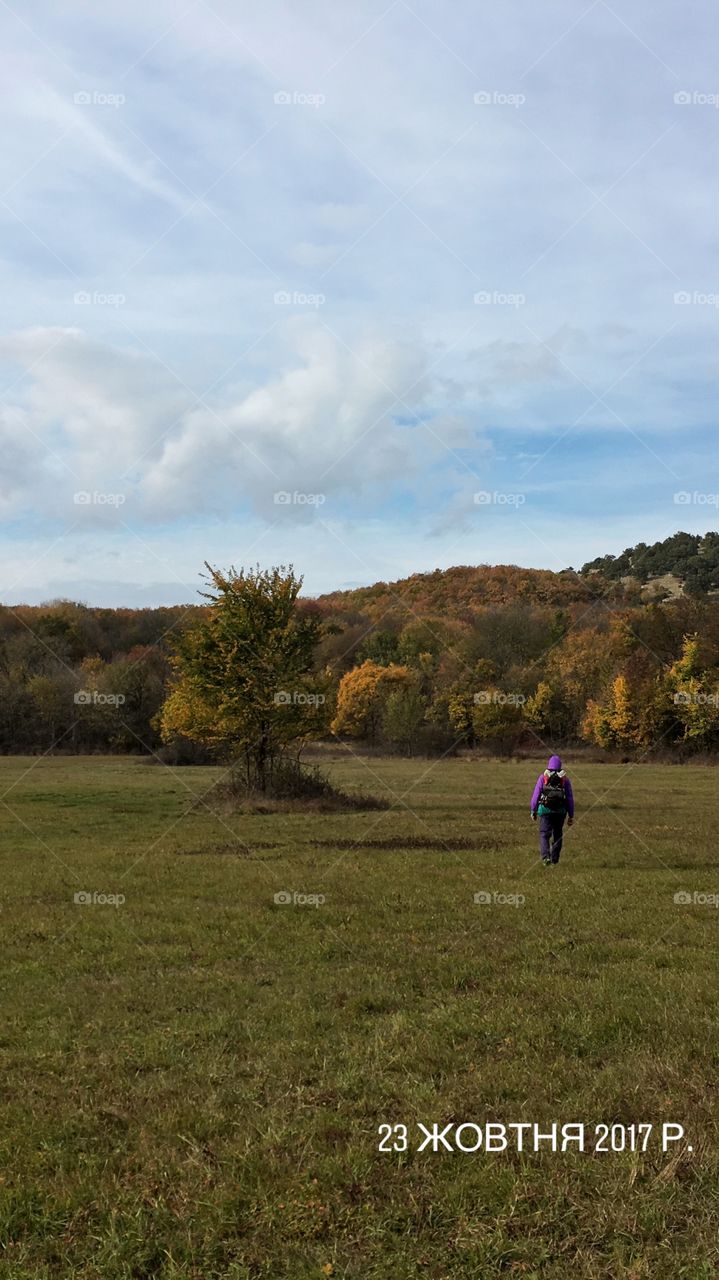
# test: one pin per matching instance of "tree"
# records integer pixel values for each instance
(243, 676)
(53, 703)
(420, 637)
(614, 722)
(545, 711)
(498, 719)
(463, 696)
(404, 714)
(576, 671)
(138, 679)
(695, 695)
(460, 706)
(362, 696)
(380, 647)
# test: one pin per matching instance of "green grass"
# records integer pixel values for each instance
(192, 1082)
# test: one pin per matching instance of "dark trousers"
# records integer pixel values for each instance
(550, 835)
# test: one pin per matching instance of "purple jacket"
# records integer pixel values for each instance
(553, 763)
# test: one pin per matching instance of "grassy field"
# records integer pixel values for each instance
(193, 1080)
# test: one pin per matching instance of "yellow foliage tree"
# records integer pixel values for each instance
(695, 695)
(577, 670)
(188, 714)
(615, 721)
(362, 696)
(244, 678)
(498, 718)
(540, 708)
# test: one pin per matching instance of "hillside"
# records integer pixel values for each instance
(461, 591)
(684, 563)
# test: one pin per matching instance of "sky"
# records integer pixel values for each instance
(370, 289)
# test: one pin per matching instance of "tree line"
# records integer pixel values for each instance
(691, 558)
(492, 657)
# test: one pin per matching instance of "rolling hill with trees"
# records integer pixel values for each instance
(498, 656)
(502, 656)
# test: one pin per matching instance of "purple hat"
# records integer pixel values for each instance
(554, 762)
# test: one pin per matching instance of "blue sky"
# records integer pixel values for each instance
(371, 289)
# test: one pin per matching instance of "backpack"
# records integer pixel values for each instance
(552, 796)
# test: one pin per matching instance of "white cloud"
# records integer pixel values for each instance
(329, 424)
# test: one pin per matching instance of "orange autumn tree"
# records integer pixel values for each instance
(362, 697)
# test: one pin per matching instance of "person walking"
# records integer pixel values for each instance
(552, 802)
